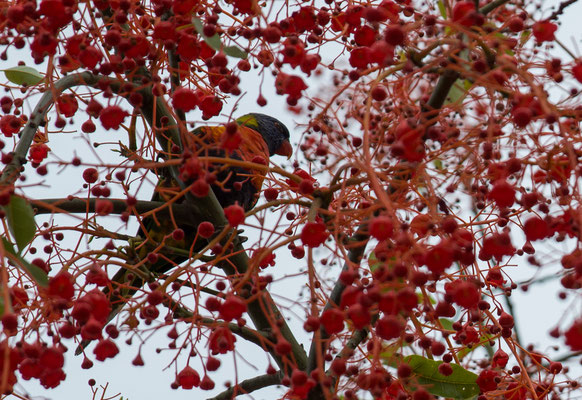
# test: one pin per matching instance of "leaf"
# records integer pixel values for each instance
(373, 262)
(442, 9)
(484, 341)
(37, 274)
(461, 384)
(438, 164)
(198, 25)
(236, 52)
(446, 323)
(23, 75)
(20, 221)
(213, 41)
(458, 91)
(9, 247)
(524, 37)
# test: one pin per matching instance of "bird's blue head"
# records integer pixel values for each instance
(274, 132)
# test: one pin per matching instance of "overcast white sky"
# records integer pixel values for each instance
(537, 310)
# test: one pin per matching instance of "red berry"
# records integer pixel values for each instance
(389, 327)
(404, 371)
(464, 293)
(138, 361)
(9, 322)
(437, 348)
(555, 367)
(577, 71)
(445, 369)
(206, 383)
(439, 257)
(200, 188)
(52, 358)
(311, 324)
(188, 378)
(282, 347)
(506, 320)
(515, 24)
(106, 348)
(503, 193)
(332, 320)
(184, 99)
(298, 252)
(271, 194)
(112, 116)
(67, 105)
(394, 35)
(314, 234)
(500, 359)
(486, 380)
(103, 207)
(379, 94)
(536, 228)
(232, 308)
(212, 364)
(90, 175)
(522, 116)
(61, 286)
(381, 227)
(235, 215)
(574, 335)
(206, 229)
(338, 366)
(543, 31)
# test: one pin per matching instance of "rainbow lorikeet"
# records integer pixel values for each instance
(256, 137)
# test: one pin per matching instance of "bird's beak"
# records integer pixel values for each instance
(285, 149)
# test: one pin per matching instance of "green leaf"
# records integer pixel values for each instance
(198, 25)
(442, 9)
(236, 52)
(483, 343)
(373, 262)
(446, 323)
(9, 247)
(20, 221)
(461, 384)
(213, 41)
(458, 91)
(524, 37)
(37, 274)
(430, 298)
(438, 164)
(23, 75)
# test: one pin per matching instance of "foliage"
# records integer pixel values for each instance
(440, 156)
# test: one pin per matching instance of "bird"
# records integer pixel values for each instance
(257, 137)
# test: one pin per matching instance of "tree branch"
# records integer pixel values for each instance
(250, 385)
(360, 241)
(492, 6)
(181, 212)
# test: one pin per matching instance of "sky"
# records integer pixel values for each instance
(537, 311)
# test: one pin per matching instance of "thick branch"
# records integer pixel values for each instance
(359, 241)
(13, 169)
(181, 212)
(492, 6)
(250, 385)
